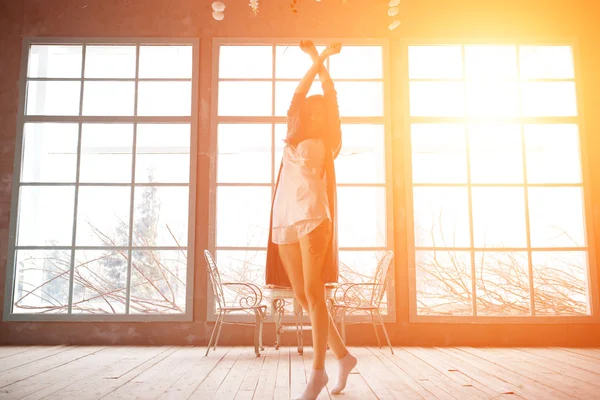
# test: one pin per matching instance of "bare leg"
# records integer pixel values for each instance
(310, 253)
(313, 248)
(291, 258)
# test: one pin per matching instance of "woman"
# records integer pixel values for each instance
(302, 250)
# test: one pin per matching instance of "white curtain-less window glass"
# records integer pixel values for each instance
(103, 205)
(256, 85)
(498, 204)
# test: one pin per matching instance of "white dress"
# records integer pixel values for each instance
(300, 203)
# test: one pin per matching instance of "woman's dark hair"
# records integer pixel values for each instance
(309, 106)
(314, 100)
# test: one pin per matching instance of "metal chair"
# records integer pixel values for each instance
(250, 301)
(364, 297)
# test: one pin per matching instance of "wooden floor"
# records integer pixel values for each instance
(70, 372)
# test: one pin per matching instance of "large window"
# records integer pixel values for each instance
(102, 184)
(255, 84)
(497, 186)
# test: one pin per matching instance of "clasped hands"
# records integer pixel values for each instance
(309, 48)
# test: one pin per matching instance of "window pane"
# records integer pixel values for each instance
(99, 282)
(362, 158)
(553, 154)
(546, 62)
(42, 281)
(492, 99)
(243, 216)
(108, 98)
(49, 152)
(242, 266)
(45, 216)
(292, 62)
(53, 98)
(438, 153)
(158, 281)
(502, 283)
(360, 266)
(560, 283)
(162, 153)
(499, 217)
(360, 99)
(435, 62)
(106, 153)
(244, 153)
(110, 62)
(491, 62)
(441, 217)
(556, 217)
(103, 216)
(362, 217)
(246, 61)
(245, 98)
(437, 99)
(284, 92)
(357, 62)
(54, 61)
(165, 98)
(496, 155)
(549, 99)
(161, 216)
(166, 62)
(443, 283)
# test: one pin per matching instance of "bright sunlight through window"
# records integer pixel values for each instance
(104, 187)
(255, 87)
(499, 220)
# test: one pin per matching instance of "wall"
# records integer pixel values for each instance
(570, 19)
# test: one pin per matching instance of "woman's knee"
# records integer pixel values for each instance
(299, 293)
(301, 298)
(315, 292)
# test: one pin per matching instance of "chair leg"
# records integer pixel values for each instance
(212, 335)
(260, 334)
(387, 338)
(257, 323)
(375, 328)
(343, 323)
(219, 331)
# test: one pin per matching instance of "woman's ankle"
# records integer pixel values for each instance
(341, 355)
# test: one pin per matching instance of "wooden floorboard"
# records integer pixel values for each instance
(282, 381)
(412, 373)
(589, 353)
(36, 354)
(209, 385)
(265, 389)
(520, 376)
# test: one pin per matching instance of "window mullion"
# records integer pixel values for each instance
(273, 152)
(526, 186)
(76, 194)
(469, 187)
(132, 193)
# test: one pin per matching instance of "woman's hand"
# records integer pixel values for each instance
(333, 48)
(309, 48)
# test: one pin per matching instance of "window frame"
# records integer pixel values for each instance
(192, 119)
(215, 119)
(579, 120)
